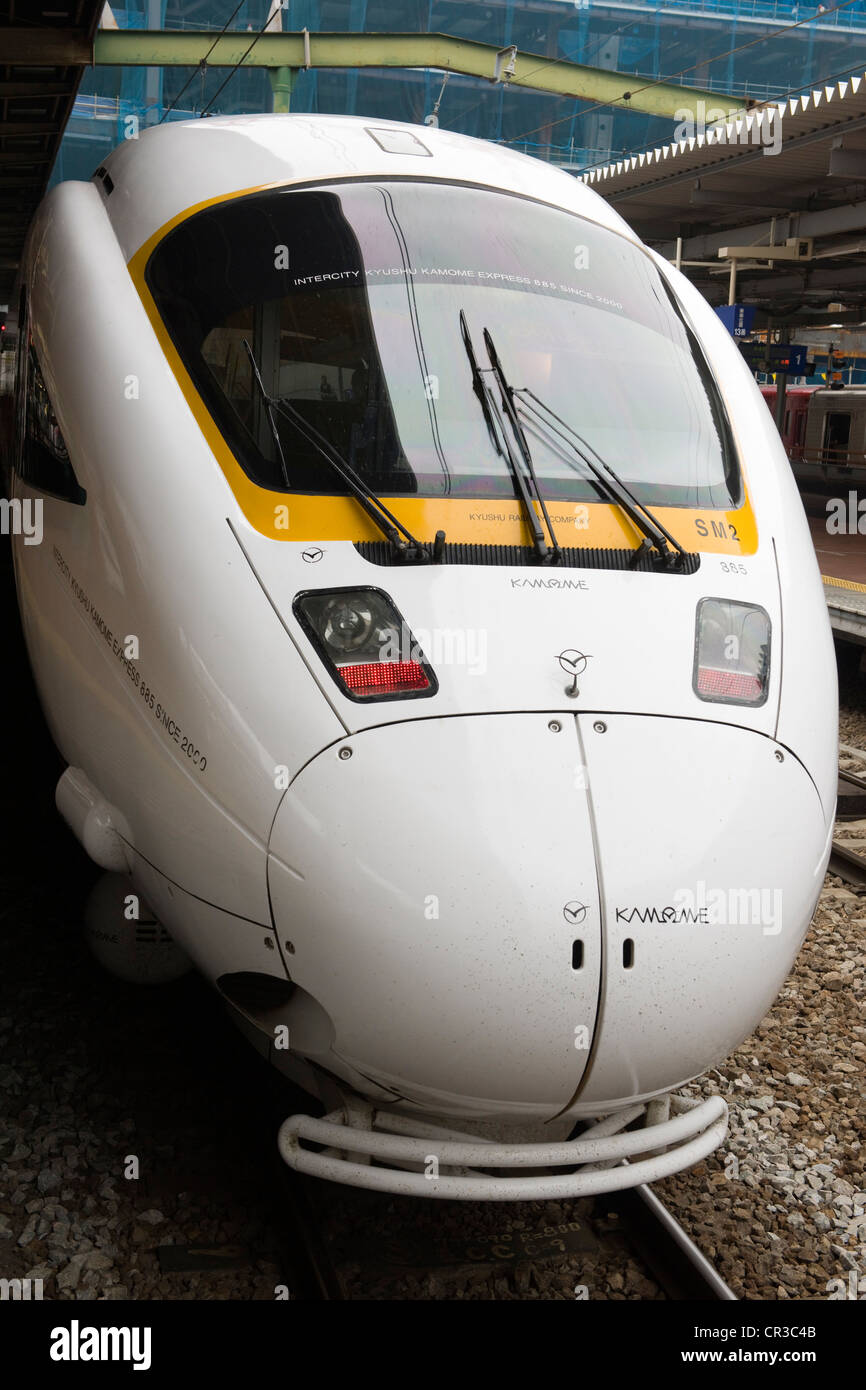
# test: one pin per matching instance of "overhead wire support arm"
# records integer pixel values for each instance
(304, 50)
(502, 71)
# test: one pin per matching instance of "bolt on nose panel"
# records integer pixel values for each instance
(439, 889)
(712, 849)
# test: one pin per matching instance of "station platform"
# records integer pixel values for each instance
(842, 560)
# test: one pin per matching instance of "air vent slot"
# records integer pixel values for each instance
(573, 557)
(102, 176)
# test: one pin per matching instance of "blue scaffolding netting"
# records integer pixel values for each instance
(748, 49)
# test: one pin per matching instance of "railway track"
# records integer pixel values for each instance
(310, 1272)
(356, 1264)
(675, 1262)
(846, 862)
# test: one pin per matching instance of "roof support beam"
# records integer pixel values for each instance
(37, 157)
(806, 281)
(8, 182)
(708, 197)
(186, 48)
(847, 164)
(34, 89)
(26, 128)
(46, 47)
(850, 217)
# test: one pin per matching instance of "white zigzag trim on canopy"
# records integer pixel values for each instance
(730, 131)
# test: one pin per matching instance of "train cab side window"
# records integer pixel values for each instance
(43, 459)
(837, 431)
(800, 430)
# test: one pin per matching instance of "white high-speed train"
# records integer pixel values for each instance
(428, 619)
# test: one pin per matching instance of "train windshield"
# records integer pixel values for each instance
(349, 296)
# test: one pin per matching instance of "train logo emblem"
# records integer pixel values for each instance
(574, 913)
(572, 662)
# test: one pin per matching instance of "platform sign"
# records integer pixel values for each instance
(757, 355)
(737, 318)
(791, 359)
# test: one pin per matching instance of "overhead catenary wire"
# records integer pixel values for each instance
(202, 64)
(562, 62)
(662, 81)
(244, 57)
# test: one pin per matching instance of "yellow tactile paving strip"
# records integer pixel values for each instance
(843, 584)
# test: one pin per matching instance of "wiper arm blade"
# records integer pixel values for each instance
(405, 545)
(499, 436)
(269, 411)
(398, 536)
(656, 535)
(478, 385)
(507, 393)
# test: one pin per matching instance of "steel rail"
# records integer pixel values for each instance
(845, 864)
(682, 1271)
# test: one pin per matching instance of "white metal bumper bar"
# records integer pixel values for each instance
(602, 1159)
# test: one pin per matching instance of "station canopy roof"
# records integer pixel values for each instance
(45, 46)
(784, 170)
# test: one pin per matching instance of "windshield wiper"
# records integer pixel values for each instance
(656, 536)
(499, 436)
(478, 386)
(269, 410)
(401, 540)
(404, 545)
(507, 393)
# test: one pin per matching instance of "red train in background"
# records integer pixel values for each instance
(824, 433)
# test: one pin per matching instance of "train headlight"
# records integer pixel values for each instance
(365, 644)
(346, 623)
(732, 652)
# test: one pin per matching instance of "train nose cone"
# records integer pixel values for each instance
(534, 913)
(437, 880)
(712, 847)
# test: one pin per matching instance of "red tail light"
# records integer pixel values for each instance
(384, 677)
(730, 685)
(732, 652)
